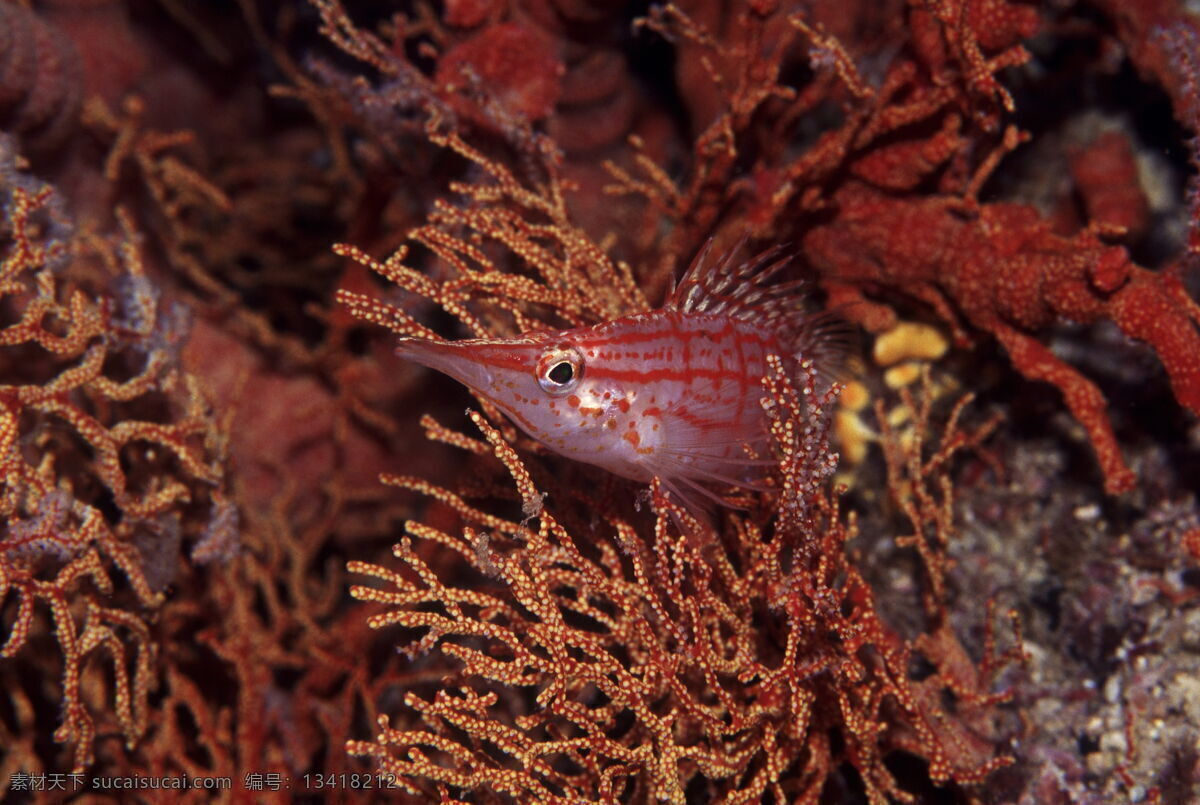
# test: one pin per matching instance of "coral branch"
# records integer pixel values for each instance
(61, 441)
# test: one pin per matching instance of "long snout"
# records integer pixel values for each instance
(453, 358)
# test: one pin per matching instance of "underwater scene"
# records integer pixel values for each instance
(562, 401)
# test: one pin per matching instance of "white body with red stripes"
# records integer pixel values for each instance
(673, 393)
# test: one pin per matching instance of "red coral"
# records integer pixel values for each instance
(41, 79)
(1009, 275)
(931, 123)
(1181, 49)
(469, 13)
(576, 644)
(1001, 24)
(949, 32)
(70, 453)
(1106, 175)
(665, 669)
(113, 56)
(516, 65)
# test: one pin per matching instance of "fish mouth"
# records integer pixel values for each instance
(451, 358)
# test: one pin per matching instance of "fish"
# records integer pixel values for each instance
(673, 393)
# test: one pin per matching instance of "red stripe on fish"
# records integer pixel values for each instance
(673, 393)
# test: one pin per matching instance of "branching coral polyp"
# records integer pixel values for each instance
(62, 439)
(886, 205)
(1007, 274)
(632, 664)
(591, 654)
(608, 656)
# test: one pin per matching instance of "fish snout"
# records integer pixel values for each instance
(455, 359)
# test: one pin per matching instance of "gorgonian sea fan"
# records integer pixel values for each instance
(585, 652)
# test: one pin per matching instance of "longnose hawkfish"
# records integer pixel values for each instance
(673, 393)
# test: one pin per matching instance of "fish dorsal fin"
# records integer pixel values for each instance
(716, 286)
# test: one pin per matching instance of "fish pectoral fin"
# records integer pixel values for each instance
(717, 471)
(687, 484)
(698, 502)
(741, 457)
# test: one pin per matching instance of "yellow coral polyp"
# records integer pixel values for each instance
(902, 375)
(853, 436)
(855, 397)
(910, 340)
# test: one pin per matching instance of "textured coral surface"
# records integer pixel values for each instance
(243, 543)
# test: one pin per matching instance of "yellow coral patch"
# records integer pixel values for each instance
(903, 375)
(855, 396)
(910, 340)
(853, 436)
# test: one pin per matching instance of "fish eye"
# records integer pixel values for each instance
(561, 373)
(559, 370)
